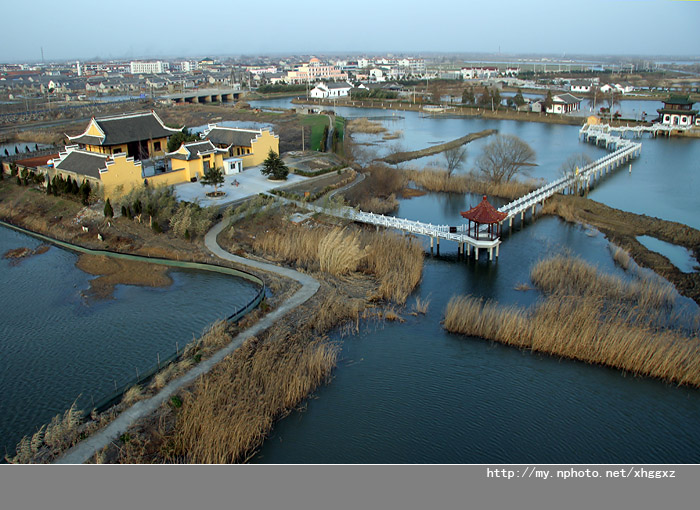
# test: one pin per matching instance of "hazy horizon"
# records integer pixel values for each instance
(626, 28)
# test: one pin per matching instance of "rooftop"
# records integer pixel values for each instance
(484, 213)
(131, 127)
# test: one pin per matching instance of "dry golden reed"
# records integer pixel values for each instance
(396, 261)
(587, 316)
(440, 180)
(364, 125)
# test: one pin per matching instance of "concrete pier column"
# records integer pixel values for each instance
(438, 245)
(510, 222)
(630, 167)
(498, 247)
(522, 217)
(490, 253)
(476, 252)
(533, 210)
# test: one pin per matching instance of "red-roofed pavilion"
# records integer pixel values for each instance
(484, 214)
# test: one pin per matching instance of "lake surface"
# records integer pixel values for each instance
(55, 345)
(412, 393)
(680, 256)
(664, 182)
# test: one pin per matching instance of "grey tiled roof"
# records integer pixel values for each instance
(228, 137)
(125, 129)
(83, 163)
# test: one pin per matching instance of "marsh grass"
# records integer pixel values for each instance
(364, 125)
(589, 316)
(396, 261)
(229, 413)
(438, 180)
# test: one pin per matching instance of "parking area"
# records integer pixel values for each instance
(237, 186)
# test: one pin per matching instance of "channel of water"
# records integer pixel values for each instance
(412, 393)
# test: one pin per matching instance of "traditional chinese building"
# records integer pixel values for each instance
(678, 111)
(484, 214)
(138, 135)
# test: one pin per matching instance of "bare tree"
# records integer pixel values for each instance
(573, 163)
(504, 157)
(455, 158)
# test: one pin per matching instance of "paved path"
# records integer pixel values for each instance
(84, 450)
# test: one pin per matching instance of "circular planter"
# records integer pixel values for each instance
(215, 194)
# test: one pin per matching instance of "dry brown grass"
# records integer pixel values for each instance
(380, 181)
(440, 181)
(393, 136)
(621, 257)
(379, 205)
(363, 125)
(583, 318)
(574, 276)
(229, 412)
(61, 433)
(421, 305)
(396, 261)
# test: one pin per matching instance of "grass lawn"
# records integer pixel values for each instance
(317, 124)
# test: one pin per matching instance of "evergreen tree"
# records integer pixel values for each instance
(176, 140)
(109, 212)
(213, 177)
(84, 190)
(518, 99)
(274, 167)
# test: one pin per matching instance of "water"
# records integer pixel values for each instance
(665, 179)
(412, 393)
(679, 256)
(55, 346)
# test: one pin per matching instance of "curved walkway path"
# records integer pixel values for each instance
(84, 450)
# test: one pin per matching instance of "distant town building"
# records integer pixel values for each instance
(330, 90)
(314, 71)
(156, 67)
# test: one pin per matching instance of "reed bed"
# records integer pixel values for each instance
(229, 413)
(393, 136)
(574, 276)
(364, 125)
(379, 205)
(587, 316)
(396, 261)
(435, 179)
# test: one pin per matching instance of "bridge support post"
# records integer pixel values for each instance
(630, 167)
(510, 222)
(490, 253)
(522, 217)
(438, 245)
(498, 246)
(431, 244)
(534, 206)
(476, 252)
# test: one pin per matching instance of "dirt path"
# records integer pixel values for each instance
(400, 157)
(84, 450)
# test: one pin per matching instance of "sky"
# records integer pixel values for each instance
(130, 29)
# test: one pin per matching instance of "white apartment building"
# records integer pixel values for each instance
(156, 67)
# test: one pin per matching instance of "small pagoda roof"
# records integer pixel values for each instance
(679, 100)
(484, 213)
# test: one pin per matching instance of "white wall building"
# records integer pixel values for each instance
(156, 67)
(330, 90)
